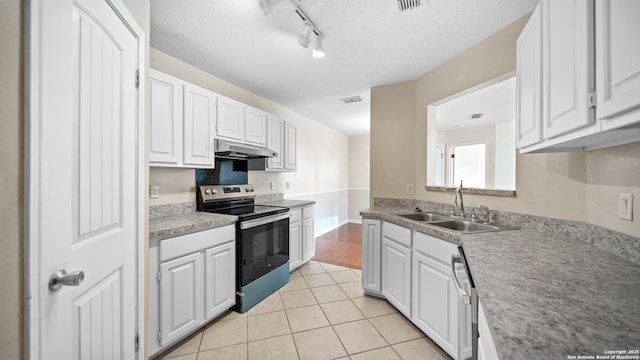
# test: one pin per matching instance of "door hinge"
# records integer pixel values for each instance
(159, 335)
(137, 79)
(591, 99)
(158, 276)
(137, 342)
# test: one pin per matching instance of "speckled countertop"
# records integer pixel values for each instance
(291, 204)
(180, 224)
(547, 295)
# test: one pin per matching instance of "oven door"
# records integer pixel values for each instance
(263, 245)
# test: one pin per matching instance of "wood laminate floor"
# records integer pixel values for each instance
(342, 246)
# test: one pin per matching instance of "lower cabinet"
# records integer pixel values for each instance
(302, 241)
(396, 266)
(412, 271)
(371, 259)
(437, 308)
(192, 282)
(486, 347)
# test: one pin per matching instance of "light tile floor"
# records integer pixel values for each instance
(321, 313)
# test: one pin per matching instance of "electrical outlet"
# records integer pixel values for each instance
(288, 184)
(625, 206)
(154, 191)
(410, 189)
(273, 186)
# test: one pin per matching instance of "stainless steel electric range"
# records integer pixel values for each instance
(262, 240)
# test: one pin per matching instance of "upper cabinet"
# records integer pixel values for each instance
(290, 146)
(583, 43)
(282, 137)
(182, 123)
(275, 142)
(239, 122)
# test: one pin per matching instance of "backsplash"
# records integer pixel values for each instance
(158, 211)
(623, 245)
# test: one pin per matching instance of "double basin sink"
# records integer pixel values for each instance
(462, 226)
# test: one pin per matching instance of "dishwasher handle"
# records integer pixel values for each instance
(455, 259)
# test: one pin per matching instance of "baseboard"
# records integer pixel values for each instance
(333, 228)
(356, 221)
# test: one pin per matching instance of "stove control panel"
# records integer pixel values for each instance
(210, 192)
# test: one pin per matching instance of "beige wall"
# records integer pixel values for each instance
(11, 178)
(359, 175)
(323, 163)
(575, 186)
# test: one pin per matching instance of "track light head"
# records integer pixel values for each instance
(318, 49)
(305, 39)
(267, 5)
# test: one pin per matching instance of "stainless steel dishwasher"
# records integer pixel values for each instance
(467, 291)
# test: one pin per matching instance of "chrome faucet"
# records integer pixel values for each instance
(458, 193)
(486, 213)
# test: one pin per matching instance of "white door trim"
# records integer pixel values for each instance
(32, 226)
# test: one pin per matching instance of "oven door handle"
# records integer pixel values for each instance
(263, 220)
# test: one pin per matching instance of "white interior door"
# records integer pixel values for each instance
(84, 179)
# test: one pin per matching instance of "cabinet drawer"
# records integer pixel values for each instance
(434, 247)
(396, 233)
(185, 244)
(296, 215)
(307, 212)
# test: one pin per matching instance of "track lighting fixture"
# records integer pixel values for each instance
(318, 50)
(305, 38)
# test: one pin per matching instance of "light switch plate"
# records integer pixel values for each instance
(273, 186)
(625, 206)
(154, 192)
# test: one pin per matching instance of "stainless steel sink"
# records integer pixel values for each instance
(424, 216)
(468, 226)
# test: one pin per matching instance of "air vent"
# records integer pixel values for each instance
(405, 5)
(476, 116)
(352, 99)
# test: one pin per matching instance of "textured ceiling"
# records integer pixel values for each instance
(367, 42)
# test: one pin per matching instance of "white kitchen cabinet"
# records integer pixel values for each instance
(371, 259)
(275, 142)
(255, 127)
(396, 266)
(529, 81)
(568, 65)
(308, 234)
(618, 60)
(220, 279)
(182, 123)
(231, 115)
(181, 307)
(295, 239)
(486, 347)
(192, 281)
(290, 146)
(591, 77)
(199, 124)
(302, 240)
(437, 309)
(166, 119)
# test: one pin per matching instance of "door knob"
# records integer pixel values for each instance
(61, 277)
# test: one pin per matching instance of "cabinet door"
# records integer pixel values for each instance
(396, 275)
(181, 307)
(618, 61)
(231, 115)
(255, 127)
(435, 309)
(295, 242)
(309, 240)
(275, 142)
(529, 81)
(199, 120)
(220, 279)
(568, 65)
(291, 146)
(166, 119)
(371, 261)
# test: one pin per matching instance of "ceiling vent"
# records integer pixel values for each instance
(353, 99)
(476, 116)
(405, 5)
